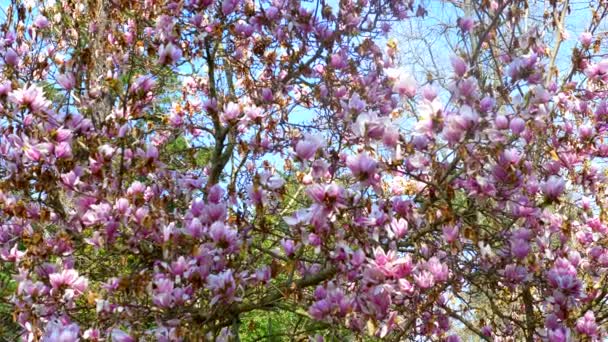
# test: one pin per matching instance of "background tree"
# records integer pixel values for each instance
(195, 170)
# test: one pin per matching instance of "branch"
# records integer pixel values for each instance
(558, 40)
(468, 324)
(529, 307)
(267, 302)
(486, 32)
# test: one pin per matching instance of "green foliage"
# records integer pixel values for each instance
(202, 156)
(51, 92)
(179, 154)
(267, 326)
(285, 325)
(8, 328)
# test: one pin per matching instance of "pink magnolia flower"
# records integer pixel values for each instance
(450, 233)
(143, 84)
(244, 29)
(501, 122)
(267, 95)
(586, 132)
(228, 6)
(31, 98)
(254, 113)
(465, 24)
(540, 95)
(391, 136)
(510, 156)
(169, 54)
(272, 12)
(553, 187)
(163, 293)
(151, 152)
(514, 274)
(136, 187)
(41, 22)
(122, 206)
(458, 124)
(63, 150)
(70, 179)
(70, 279)
(379, 300)
(520, 248)
(487, 104)
(369, 125)
(215, 194)
(66, 81)
(517, 125)
(320, 292)
(288, 246)
(453, 338)
(320, 309)
(338, 61)
(397, 228)
(586, 38)
(405, 85)
(222, 285)
(12, 255)
(118, 335)
(223, 236)
(300, 216)
(95, 240)
(5, 88)
(598, 70)
(11, 57)
(439, 271)
(586, 325)
(459, 65)
(215, 212)
(563, 276)
(271, 181)
(362, 166)
(429, 93)
(56, 331)
(231, 112)
(92, 334)
(32, 153)
(400, 267)
(63, 134)
(356, 104)
(424, 279)
(263, 274)
(307, 147)
(420, 142)
(466, 88)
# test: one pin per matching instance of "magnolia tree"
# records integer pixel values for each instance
(172, 170)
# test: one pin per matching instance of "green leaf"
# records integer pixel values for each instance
(202, 157)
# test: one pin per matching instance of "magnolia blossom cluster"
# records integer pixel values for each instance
(172, 174)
